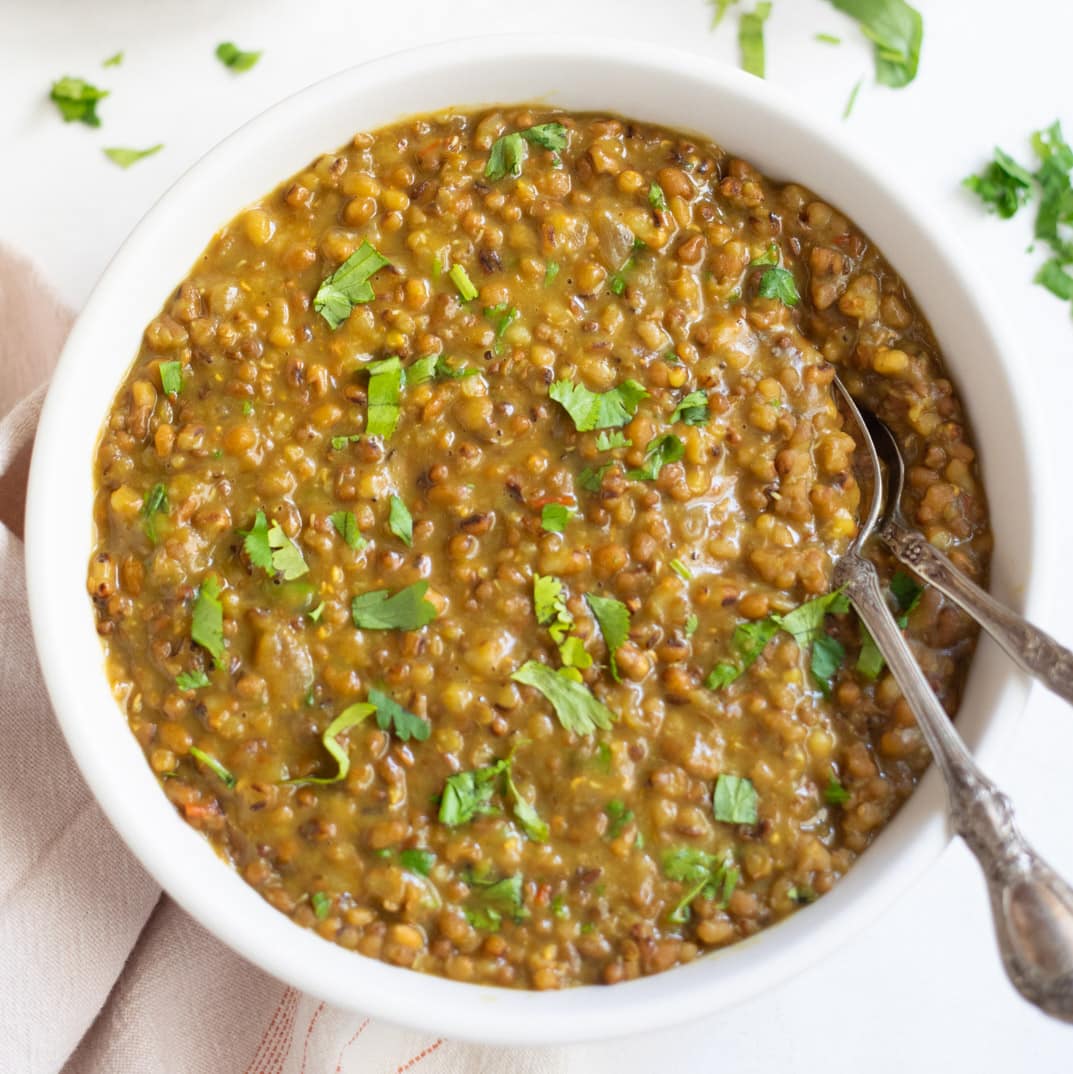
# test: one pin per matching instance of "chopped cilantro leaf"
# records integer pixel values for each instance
(417, 860)
(171, 377)
(247, 408)
(870, 660)
(692, 410)
(608, 441)
(834, 793)
(613, 619)
(751, 38)
(349, 285)
(191, 680)
(907, 592)
(321, 904)
(1055, 278)
(534, 826)
(852, 99)
(656, 198)
(805, 622)
(340, 442)
(554, 517)
(435, 367)
(400, 521)
(350, 717)
(550, 136)
(691, 625)
(380, 609)
(346, 525)
(114, 60)
(700, 873)
(1003, 186)
(578, 711)
(734, 800)
(619, 815)
(126, 157)
(573, 654)
(749, 641)
(317, 612)
(550, 606)
(155, 503)
(779, 283)
(720, 9)
(385, 390)
(506, 157)
(660, 451)
(207, 623)
(469, 794)
(828, 39)
(681, 570)
(391, 715)
(77, 100)
(598, 410)
(896, 29)
(591, 479)
(460, 278)
(272, 550)
(213, 766)
(551, 270)
(230, 55)
(502, 317)
(826, 658)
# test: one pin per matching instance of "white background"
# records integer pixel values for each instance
(922, 990)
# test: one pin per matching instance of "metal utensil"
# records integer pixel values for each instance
(1031, 904)
(1031, 648)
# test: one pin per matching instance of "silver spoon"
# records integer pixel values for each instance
(1031, 904)
(1032, 649)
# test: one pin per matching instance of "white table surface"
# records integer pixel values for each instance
(922, 989)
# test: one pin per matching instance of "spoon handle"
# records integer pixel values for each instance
(1031, 648)
(1031, 904)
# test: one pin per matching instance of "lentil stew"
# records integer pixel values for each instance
(465, 527)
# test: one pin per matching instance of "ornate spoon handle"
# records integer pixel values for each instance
(1032, 649)
(1031, 904)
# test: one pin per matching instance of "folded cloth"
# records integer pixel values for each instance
(101, 973)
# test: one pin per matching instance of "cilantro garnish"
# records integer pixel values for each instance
(385, 390)
(1055, 278)
(660, 451)
(591, 479)
(381, 609)
(207, 622)
(77, 100)
(681, 570)
(191, 680)
(779, 283)
(907, 592)
(896, 29)
(321, 904)
(870, 660)
(852, 99)
(826, 658)
(346, 525)
(692, 622)
(460, 278)
(834, 793)
(495, 898)
(827, 39)
(348, 286)
(272, 550)
(751, 39)
(155, 503)
(390, 715)
(1003, 186)
(502, 317)
(213, 766)
(400, 521)
(692, 410)
(701, 873)
(608, 441)
(656, 198)
(554, 517)
(171, 377)
(417, 860)
(114, 60)
(805, 622)
(508, 152)
(734, 800)
(551, 270)
(578, 711)
(613, 618)
(350, 717)
(126, 157)
(468, 794)
(435, 366)
(317, 612)
(598, 410)
(230, 55)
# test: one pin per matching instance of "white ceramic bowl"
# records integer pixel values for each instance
(747, 116)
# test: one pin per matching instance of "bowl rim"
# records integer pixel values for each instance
(179, 859)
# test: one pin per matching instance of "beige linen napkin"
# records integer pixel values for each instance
(99, 972)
